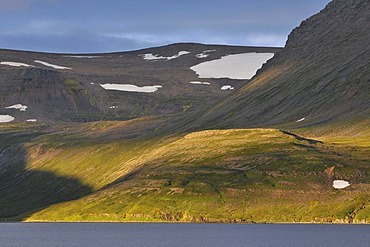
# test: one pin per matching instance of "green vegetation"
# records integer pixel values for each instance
(72, 84)
(235, 175)
(187, 107)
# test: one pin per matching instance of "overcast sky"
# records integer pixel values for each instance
(81, 26)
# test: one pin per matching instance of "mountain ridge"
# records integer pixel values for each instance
(311, 77)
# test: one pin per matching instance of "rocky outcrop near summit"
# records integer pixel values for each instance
(322, 75)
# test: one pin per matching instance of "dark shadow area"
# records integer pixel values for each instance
(122, 179)
(24, 191)
(300, 138)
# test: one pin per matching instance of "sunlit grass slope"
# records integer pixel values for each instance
(235, 175)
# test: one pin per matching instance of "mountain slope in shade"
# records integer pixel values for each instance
(323, 74)
(66, 87)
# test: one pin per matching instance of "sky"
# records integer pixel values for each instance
(93, 26)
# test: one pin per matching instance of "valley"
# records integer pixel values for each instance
(191, 132)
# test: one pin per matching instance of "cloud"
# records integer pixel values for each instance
(116, 25)
(73, 42)
(17, 5)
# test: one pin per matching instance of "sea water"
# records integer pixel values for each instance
(172, 235)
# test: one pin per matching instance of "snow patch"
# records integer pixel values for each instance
(19, 107)
(92, 83)
(300, 120)
(181, 53)
(51, 65)
(6, 118)
(204, 54)
(150, 56)
(240, 66)
(227, 87)
(113, 107)
(201, 55)
(131, 88)
(15, 64)
(340, 184)
(31, 120)
(200, 83)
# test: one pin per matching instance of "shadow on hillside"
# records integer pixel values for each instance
(25, 191)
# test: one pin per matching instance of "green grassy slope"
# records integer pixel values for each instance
(242, 175)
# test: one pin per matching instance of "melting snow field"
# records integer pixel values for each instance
(150, 56)
(340, 184)
(131, 88)
(19, 107)
(239, 66)
(227, 87)
(300, 120)
(6, 118)
(200, 83)
(51, 65)
(15, 64)
(31, 120)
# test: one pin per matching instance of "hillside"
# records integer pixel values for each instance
(105, 173)
(291, 145)
(322, 75)
(88, 87)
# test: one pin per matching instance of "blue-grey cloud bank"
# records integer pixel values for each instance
(91, 26)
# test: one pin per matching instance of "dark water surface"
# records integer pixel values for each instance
(162, 235)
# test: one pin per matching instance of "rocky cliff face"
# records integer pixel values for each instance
(322, 74)
(47, 94)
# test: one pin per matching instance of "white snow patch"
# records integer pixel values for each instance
(181, 53)
(204, 54)
(51, 65)
(300, 120)
(19, 107)
(131, 88)
(340, 184)
(227, 87)
(15, 64)
(92, 83)
(6, 118)
(150, 56)
(239, 66)
(200, 83)
(31, 120)
(113, 107)
(201, 55)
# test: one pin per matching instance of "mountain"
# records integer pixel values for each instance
(290, 145)
(83, 87)
(322, 75)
